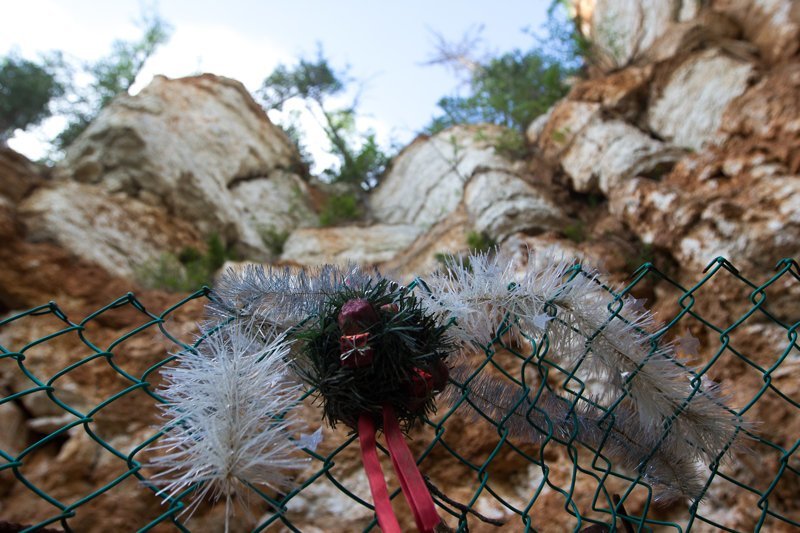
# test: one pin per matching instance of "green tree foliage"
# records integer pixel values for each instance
(563, 41)
(26, 90)
(361, 160)
(111, 76)
(513, 89)
(308, 80)
(510, 90)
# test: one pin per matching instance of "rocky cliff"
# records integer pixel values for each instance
(683, 144)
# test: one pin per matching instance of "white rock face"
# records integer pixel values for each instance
(736, 229)
(447, 237)
(566, 122)
(349, 244)
(607, 153)
(536, 127)
(500, 204)
(757, 224)
(772, 25)
(117, 232)
(622, 30)
(689, 109)
(278, 203)
(201, 148)
(426, 182)
(695, 30)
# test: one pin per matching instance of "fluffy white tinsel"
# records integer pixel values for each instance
(575, 313)
(281, 296)
(226, 412)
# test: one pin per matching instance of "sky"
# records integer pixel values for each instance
(384, 44)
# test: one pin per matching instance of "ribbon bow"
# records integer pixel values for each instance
(355, 316)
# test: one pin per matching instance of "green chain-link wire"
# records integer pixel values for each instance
(534, 364)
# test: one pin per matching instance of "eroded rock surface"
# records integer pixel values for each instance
(687, 110)
(115, 231)
(607, 153)
(427, 179)
(199, 149)
(499, 204)
(348, 244)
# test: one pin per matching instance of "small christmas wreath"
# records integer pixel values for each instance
(373, 347)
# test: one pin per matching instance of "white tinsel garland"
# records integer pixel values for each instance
(575, 313)
(228, 416)
(651, 414)
(281, 296)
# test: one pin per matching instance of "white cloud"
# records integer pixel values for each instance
(221, 50)
(36, 26)
(33, 144)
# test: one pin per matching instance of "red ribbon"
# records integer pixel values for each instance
(411, 482)
(377, 485)
(414, 488)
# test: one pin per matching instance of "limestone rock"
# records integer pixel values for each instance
(757, 223)
(627, 31)
(621, 30)
(623, 92)
(272, 206)
(447, 237)
(116, 232)
(536, 127)
(202, 149)
(566, 122)
(607, 153)
(772, 25)
(348, 244)
(426, 181)
(706, 29)
(624, 33)
(765, 122)
(499, 204)
(738, 199)
(687, 111)
(18, 175)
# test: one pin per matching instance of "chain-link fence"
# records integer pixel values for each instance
(748, 336)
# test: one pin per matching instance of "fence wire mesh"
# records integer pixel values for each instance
(47, 481)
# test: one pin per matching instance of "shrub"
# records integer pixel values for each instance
(274, 239)
(340, 208)
(480, 241)
(111, 76)
(187, 271)
(510, 90)
(576, 231)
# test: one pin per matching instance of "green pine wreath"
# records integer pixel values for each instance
(372, 346)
